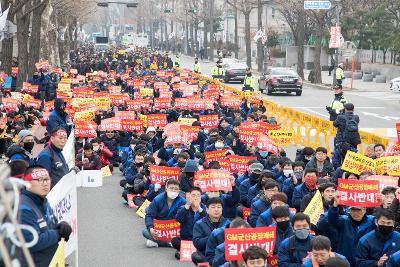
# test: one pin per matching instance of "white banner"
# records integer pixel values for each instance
(90, 178)
(63, 200)
(69, 150)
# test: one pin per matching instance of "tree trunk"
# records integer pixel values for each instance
(300, 38)
(7, 45)
(35, 42)
(236, 33)
(44, 36)
(259, 43)
(247, 37)
(192, 46)
(23, 21)
(54, 56)
(212, 30)
(196, 35)
(317, 59)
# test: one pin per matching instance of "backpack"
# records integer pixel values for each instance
(351, 134)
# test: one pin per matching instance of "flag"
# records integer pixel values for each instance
(258, 35)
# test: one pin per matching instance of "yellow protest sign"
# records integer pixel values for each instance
(105, 171)
(141, 211)
(63, 87)
(121, 52)
(102, 103)
(59, 257)
(78, 101)
(146, 92)
(66, 80)
(388, 165)
(315, 208)
(357, 163)
(144, 119)
(86, 115)
(187, 121)
(282, 137)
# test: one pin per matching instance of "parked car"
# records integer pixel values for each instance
(281, 80)
(234, 70)
(395, 85)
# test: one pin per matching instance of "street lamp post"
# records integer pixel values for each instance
(337, 49)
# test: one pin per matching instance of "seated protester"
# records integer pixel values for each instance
(187, 216)
(277, 200)
(350, 227)
(154, 142)
(321, 251)
(179, 160)
(281, 219)
(203, 228)
(270, 188)
(22, 149)
(389, 194)
(327, 191)
(35, 211)
(104, 153)
(253, 256)
(246, 174)
(309, 184)
(233, 140)
(394, 260)
(321, 163)
(88, 159)
(216, 257)
(224, 127)
(187, 175)
(255, 170)
(219, 144)
(287, 173)
(294, 178)
(305, 155)
(18, 168)
(295, 249)
(377, 246)
(110, 141)
(255, 192)
(163, 207)
(127, 156)
(135, 168)
(337, 262)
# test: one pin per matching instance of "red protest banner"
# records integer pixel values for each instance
(211, 94)
(157, 120)
(114, 89)
(111, 124)
(131, 125)
(190, 132)
(119, 99)
(214, 155)
(187, 249)
(181, 103)
(162, 103)
(160, 174)
(384, 181)
(85, 129)
(358, 193)
(166, 229)
(231, 101)
(225, 164)
(239, 164)
(125, 115)
(335, 37)
(273, 261)
(393, 149)
(213, 180)
(264, 143)
(237, 240)
(10, 104)
(209, 121)
(166, 94)
(83, 93)
(249, 136)
(34, 103)
(138, 104)
(398, 131)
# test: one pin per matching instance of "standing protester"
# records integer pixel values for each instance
(22, 149)
(58, 117)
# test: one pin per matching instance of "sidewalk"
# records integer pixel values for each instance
(357, 84)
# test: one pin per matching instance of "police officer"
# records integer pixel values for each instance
(340, 75)
(337, 105)
(36, 212)
(196, 66)
(218, 72)
(249, 82)
(177, 61)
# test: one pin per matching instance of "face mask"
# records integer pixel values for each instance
(263, 154)
(308, 157)
(181, 164)
(219, 145)
(302, 234)
(172, 195)
(96, 148)
(287, 173)
(35, 76)
(384, 230)
(283, 225)
(133, 147)
(28, 146)
(298, 175)
(311, 182)
(254, 177)
(213, 194)
(139, 164)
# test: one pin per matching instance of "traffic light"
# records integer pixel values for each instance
(131, 4)
(194, 11)
(102, 4)
(168, 10)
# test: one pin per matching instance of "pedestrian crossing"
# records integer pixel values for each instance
(377, 95)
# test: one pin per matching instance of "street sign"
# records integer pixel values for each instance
(335, 37)
(308, 5)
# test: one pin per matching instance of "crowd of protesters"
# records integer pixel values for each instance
(274, 187)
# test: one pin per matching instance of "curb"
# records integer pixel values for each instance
(325, 86)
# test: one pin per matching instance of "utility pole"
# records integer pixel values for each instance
(338, 7)
(211, 30)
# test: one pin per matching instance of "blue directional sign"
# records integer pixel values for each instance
(317, 4)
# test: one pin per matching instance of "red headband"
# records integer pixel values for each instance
(60, 133)
(36, 174)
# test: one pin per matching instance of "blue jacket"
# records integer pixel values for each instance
(252, 194)
(308, 262)
(288, 188)
(52, 159)
(187, 219)
(372, 246)
(292, 251)
(34, 210)
(219, 258)
(394, 260)
(216, 238)
(258, 207)
(281, 181)
(299, 192)
(281, 235)
(244, 191)
(265, 218)
(349, 233)
(202, 231)
(230, 202)
(159, 209)
(55, 120)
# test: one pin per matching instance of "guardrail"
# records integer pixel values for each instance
(309, 130)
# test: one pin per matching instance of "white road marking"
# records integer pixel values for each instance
(387, 118)
(316, 112)
(356, 107)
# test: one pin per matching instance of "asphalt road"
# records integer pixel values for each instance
(379, 111)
